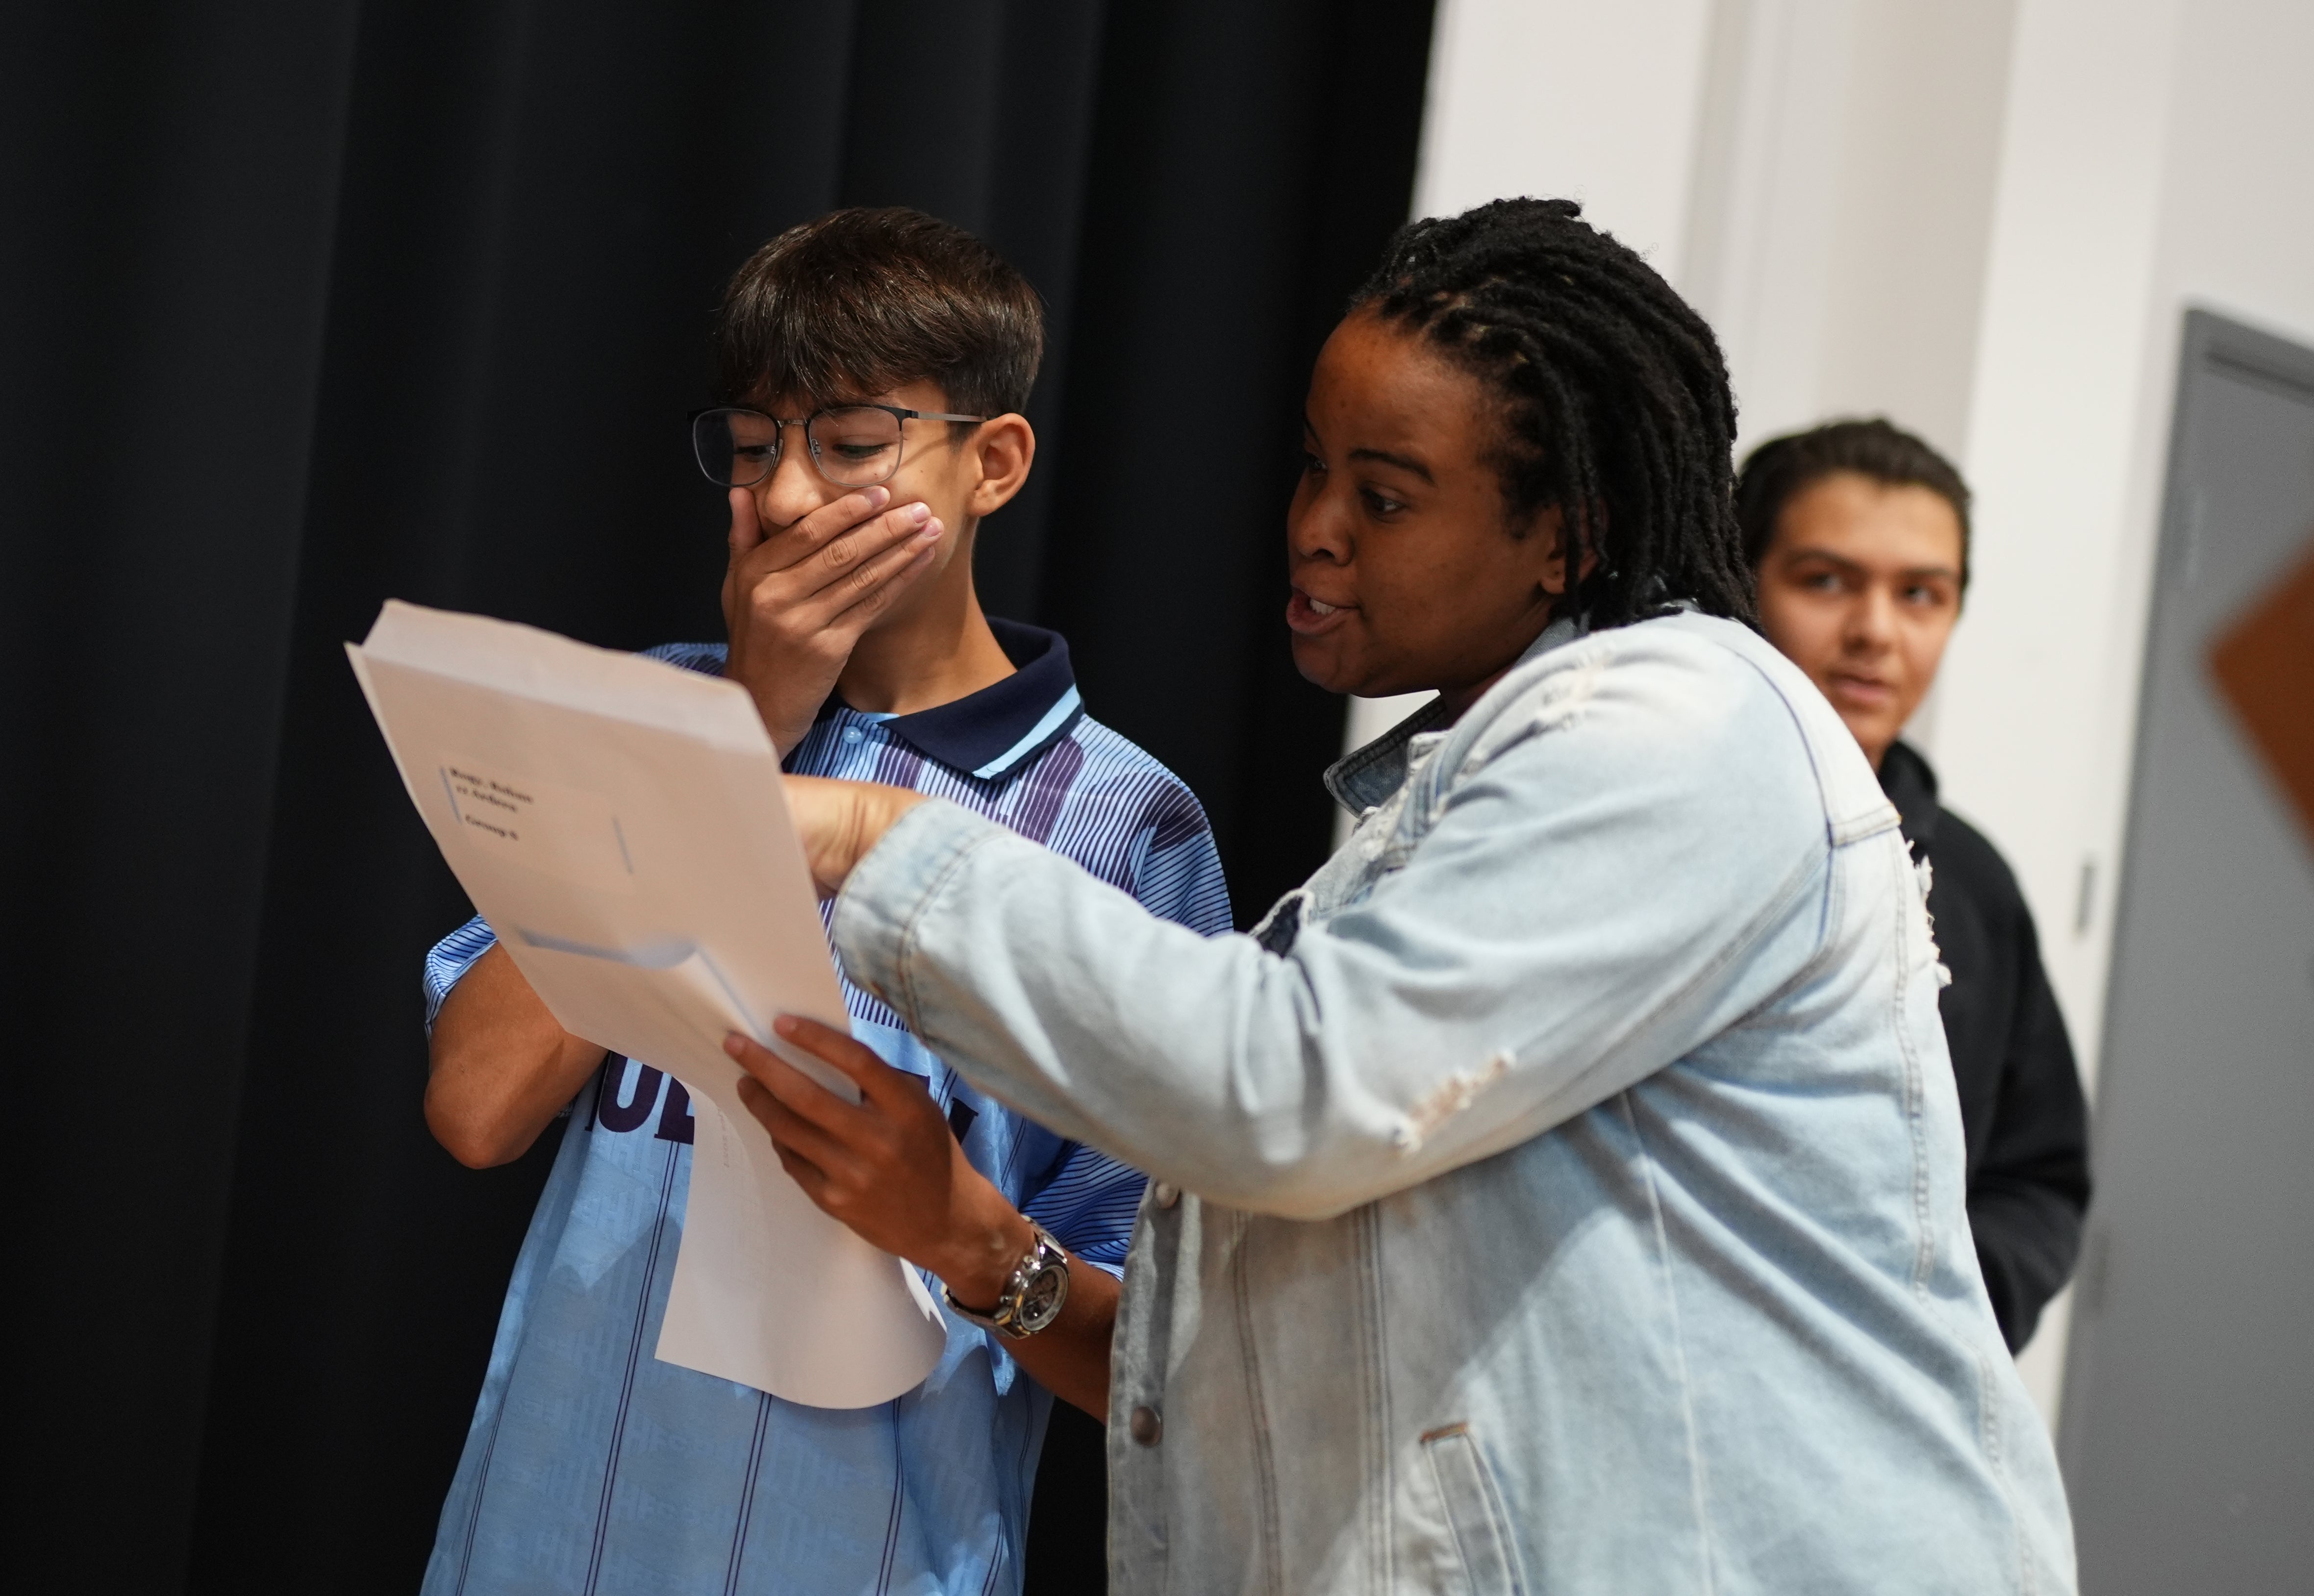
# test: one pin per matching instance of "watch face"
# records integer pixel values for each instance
(1040, 1304)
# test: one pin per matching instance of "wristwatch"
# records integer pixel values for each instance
(1032, 1295)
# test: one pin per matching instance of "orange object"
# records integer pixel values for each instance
(2264, 664)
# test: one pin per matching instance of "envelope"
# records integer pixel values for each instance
(621, 825)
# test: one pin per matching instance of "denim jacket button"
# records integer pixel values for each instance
(1145, 1426)
(1167, 1194)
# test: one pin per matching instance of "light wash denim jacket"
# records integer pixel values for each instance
(1576, 1163)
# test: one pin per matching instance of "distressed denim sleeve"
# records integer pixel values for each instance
(1597, 895)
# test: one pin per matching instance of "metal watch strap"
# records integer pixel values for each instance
(1033, 1294)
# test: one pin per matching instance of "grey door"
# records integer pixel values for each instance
(2188, 1417)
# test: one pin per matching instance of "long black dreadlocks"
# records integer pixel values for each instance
(1615, 399)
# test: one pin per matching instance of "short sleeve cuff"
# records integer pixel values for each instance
(890, 890)
(447, 962)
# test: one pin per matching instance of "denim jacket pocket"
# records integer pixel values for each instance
(1474, 1512)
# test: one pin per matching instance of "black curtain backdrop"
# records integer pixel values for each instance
(308, 304)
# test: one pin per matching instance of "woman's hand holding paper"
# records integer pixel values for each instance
(889, 1167)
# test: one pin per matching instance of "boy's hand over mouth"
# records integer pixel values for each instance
(797, 598)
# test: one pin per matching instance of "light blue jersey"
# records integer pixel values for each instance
(592, 1466)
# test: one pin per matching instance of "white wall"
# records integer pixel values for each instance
(2162, 154)
(1983, 218)
(1844, 170)
(2157, 154)
(1563, 99)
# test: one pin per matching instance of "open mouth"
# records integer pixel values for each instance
(1308, 616)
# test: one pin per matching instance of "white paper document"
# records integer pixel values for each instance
(621, 825)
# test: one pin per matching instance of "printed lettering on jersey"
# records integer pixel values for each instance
(625, 1093)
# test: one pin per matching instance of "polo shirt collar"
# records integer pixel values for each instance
(994, 732)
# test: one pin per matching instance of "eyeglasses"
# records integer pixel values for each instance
(853, 446)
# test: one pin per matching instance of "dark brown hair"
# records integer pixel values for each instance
(864, 301)
(1783, 468)
(1613, 400)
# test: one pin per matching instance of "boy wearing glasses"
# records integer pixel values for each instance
(873, 364)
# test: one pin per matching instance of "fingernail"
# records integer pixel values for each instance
(919, 512)
(931, 532)
(733, 1045)
(878, 497)
(785, 1025)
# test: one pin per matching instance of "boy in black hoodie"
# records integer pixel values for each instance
(1859, 535)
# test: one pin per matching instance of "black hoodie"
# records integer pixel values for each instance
(2020, 1097)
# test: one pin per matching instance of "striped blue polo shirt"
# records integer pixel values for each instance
(591, 1466)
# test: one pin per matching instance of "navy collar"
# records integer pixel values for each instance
(994, 732)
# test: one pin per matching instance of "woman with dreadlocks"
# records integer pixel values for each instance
(1563, 1190)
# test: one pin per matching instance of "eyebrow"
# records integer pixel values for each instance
(1829, 558)
(1381, 456)
(1384, 457)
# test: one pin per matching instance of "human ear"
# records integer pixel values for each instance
(1546, 539)
(1547, 530)
(1003, 449)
